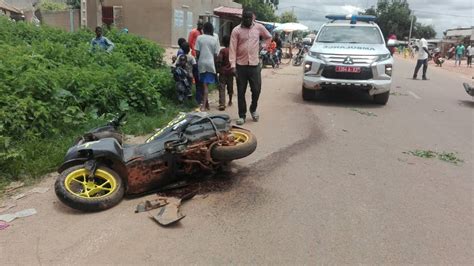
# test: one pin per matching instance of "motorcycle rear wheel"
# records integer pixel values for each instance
(246, 145)
(103, 192)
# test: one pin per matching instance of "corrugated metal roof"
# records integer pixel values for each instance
(5, 6)
(459, 32)
(228, 11)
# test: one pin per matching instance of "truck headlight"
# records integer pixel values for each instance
(316, 56)
(388, 69)
(384, 57)
(307, 66)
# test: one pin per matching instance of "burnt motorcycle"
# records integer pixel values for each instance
(98, 171)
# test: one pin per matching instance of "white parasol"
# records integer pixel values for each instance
(290, 27)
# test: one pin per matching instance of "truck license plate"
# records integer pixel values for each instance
(348, 69)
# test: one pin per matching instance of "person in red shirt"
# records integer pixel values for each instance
(244, 59)
(226, 77)
(193, 35)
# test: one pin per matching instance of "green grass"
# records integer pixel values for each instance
(450, 157)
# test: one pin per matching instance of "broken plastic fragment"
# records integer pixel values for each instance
(3, 225)
(12, 216)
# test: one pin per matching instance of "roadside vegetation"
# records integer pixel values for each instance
(53, 89)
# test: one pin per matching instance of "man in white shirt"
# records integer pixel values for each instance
(470, 54)
(423, 55)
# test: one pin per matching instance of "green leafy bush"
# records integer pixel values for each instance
(51, 82)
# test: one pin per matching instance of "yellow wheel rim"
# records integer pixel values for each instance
(103, 184)
(239, 136)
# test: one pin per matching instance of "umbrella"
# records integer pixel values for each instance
(289, 27)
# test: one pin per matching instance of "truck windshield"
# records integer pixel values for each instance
(350, 34)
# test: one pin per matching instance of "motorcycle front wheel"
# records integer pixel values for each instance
(101, 192)
(244, 144)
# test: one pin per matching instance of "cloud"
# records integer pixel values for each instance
(442, 14)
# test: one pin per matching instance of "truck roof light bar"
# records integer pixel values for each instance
(352, 18)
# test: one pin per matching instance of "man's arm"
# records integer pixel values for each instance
(110, 45)
(192, 40)
(266, 36)
(233, 48)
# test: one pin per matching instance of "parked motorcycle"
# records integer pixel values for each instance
(267, 59)
(98, 171)
(302, 51)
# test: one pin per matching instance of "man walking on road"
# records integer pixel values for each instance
(423, 55)
(459, 53)
(243, 56)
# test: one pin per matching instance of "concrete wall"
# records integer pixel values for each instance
(61, 19)
(195, 8)
(148, 18)
(162, 21)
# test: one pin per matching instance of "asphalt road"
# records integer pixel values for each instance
(330, 182)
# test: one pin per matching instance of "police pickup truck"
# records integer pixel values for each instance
(349, 51)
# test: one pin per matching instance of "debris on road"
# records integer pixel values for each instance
(151, 204)
(450, 157)
(352, 174)
(40, 190)
(13, 185)
(3, 225)
(6, 206)
(438, 110)
(171, 213)
(21, 214)
(345, 130)
(367, 113)
(396, 93)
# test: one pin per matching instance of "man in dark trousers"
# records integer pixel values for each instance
(423, 56)
(244, 59)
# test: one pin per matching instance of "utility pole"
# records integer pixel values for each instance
(411, 27)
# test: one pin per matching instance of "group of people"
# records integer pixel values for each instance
(203, 62)
(424, 55)
(458, 53)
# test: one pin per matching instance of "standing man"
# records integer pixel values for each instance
(423, 55)
(192, 38)
(470, 54)
(193, 35)
(459, 53)
(244, 60)
(101, 42)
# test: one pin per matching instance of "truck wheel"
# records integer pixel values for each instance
(246, 143)
(382, 98)
(105, 190)
(307, 94)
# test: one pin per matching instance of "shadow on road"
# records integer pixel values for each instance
(466, 103)
(340, 98)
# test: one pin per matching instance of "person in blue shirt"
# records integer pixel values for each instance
(101, 41)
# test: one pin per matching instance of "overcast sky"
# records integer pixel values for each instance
(442, 14)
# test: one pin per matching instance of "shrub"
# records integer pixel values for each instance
(51, 82)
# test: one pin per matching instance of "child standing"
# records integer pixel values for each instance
(207, 48)
(226, 77)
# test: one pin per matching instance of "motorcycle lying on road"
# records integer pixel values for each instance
(98, 171)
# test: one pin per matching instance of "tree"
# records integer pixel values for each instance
(394, 17)
(423, 31)
(264, 9)
(288, 16)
